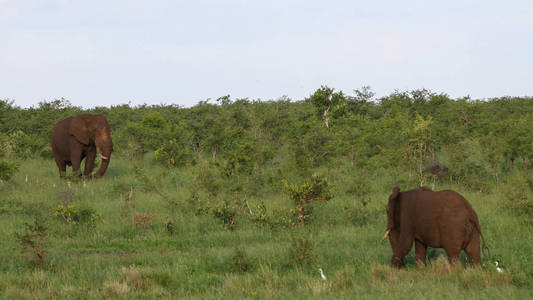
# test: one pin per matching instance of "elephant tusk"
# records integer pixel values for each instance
(102, 157)
(386, 235)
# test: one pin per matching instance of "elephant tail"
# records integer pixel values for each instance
(475, 220)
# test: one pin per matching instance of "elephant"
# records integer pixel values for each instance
(438, 219)
(79, 137)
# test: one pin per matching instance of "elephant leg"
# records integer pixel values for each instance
(454, 240)
(76, 163)
(62, 166)
(89, 163)
(420, 253)
(473, 250)
(453, 254)
(405, 245)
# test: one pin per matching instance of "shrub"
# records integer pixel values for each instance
(142, 220)
(240, 262)
(68, 213)
(208, 177)
(149, 134)
(169, 226)
(261, 217)
(226, 213)
(202, 208)
(33, 238)
(146, 183)
(518, 193)
(86, 216)
(358, 215)
(4, 144)
(7, 170)
(301, 251)
(173, 153)
(317, 188)
(467, 164)
(24, 146)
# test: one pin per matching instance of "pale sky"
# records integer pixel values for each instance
(101, 53)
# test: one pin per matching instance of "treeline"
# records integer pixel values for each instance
(416, 137)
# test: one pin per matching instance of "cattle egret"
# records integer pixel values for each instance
(500, 270)
(322, 274)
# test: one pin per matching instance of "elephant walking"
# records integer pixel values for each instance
(79, 137)
(442, 219)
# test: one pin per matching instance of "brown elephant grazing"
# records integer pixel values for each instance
(79, 137)
(442, 219)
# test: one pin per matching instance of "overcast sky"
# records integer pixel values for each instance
(96, 53)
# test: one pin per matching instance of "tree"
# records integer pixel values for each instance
(327, 103)
(361, 102)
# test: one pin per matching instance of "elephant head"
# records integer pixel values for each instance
(393, 220)
(392, 209)
(93, 131)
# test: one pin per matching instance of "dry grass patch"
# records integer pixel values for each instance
(344, 279)
(319, 286)
(440, 267)
(134, 278)
(440, 272)
(70, 289)
(478, 278)
(39, 277)
(115, 288)
(382, 273)
(142, 220)
(266, 284)
(247, 286)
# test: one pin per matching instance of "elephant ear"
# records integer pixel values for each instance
(391, 210)
(395, 193)
(78, 128)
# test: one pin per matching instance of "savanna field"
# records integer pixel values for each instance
(238, 198)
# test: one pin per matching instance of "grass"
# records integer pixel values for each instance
(199, 258)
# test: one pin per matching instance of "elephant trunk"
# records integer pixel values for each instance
(103, 165)
(104, 147)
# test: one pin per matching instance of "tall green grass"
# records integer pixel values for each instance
(199, 258)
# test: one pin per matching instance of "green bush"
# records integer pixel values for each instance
(24, 146)
(301, 252)
(227, 213)
(33, 239)
(260, 216)
(317, 188)
(518, 192)
(173, 153)
(359, 214)
(7, 170)
(85, 216)
(240, 262)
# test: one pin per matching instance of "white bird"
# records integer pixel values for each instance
(500, 270)
(322, 274)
